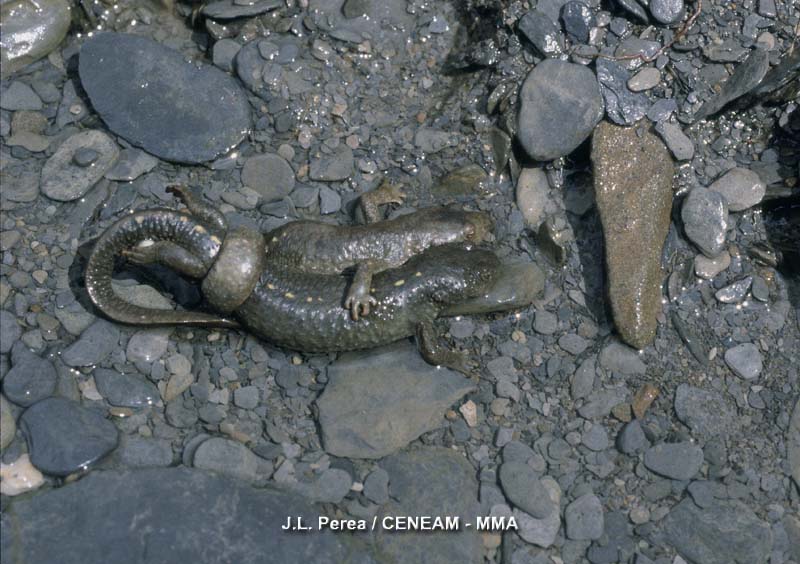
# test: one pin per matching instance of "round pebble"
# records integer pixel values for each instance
(741, 188)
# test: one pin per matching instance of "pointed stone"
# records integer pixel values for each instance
(633, 189)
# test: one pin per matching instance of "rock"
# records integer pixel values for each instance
(189, 514)
(376, 486)
(666, 11)
(64, 437)
(148, 345)
(645, 79)
(623, 106)
(185, 113)
(741, 188)
(269, 175)
(8, 425)
(705, 412)
(679, 461)
(63, 179)
(431, 481)
(33, 142)
(432, 140)
(523, 488)
(139, 452)
(247, 397)
(707, 268)
(595, 438)
(125, 390)
(705, 220)
(545, 322)
(9, 331)
(30, 380)
(19, 477)
(533, 194)
(582, 381)
(231, 9)
(734, 292)
(744, 360)
(19, 96)
(330, 487)
(131, 164)
(93, 346)
(745, 77)
(541, 532)
(227, 457)
(516, 285)
(601, 403)
(633, 190)
(578, 20)
(793, 444)
(631, 438)
(30, 31)
(466, 180)
(634, 8)
(401, 397)
(727, 532)
(329, 201)
(560, 104)
(332, 168)
(681, 147)
(543, 33)
(584, 518)
(616, 357)
(224, 53)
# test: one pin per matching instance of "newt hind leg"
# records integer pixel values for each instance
(169, 254)
(386, 193)
(434, 354)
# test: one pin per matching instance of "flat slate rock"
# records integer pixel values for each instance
(560, 104)
(745, 78)
(93, 346)
(30, 380)
(230, 9)
(793, 444)
(125, 390)
(704, 411)
(163, 515)
(65, 437)
(633, 190)
(727, 532)
(155, 99)
(65, 180)
(432, 481)
(400, 396)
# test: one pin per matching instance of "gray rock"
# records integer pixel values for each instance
(125, 390)
(227, 457)
(10, 331)
(541, 532)
(147, 345)
(631, 438)
(376, 486)
(30, 31)
(600, 403)
(332, 168)
(138, 452)
(269, 175)
(745, 77)
(633, 181)
(8, 425)
(64, 437)
(679, 144)
(542, 32)
(432, 140)
(401, 397)
(595, 438)
(708, 268)
(63, 179)
(578, 20)
(523, 488)
(533, 195)
(584, 518)
(793, 444)
(19, 96)
(545, 322)
(582, 380)
(645, 79)
(679, 461)
(560, 104)
(704, 411)
(666, 11)
(616, 357)
(330, 487)
(191, 516)
(573, 343)
(516, 285)
(177, 117)
(742, 188)
(431, 481)
(623, 106)
(745, 360)
(728, 532)
(705, 220)
(246, 397)
(231, 9)
(93, 346)
(634, 8)
(329, 201)
(131, 164)
(734, 292)
(30, 380)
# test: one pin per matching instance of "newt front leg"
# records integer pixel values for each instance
(386, 193)
(434, 354)
(358, 299)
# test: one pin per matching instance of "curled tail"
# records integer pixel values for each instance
(158, 225)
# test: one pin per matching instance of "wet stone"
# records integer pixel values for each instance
(64, 178)
(595, 438)
(20, 96)
(432, 140)
(705, 220)
(745, 360)
(679, 461)
(64, 437)
(735, 292)
(139, 452)
(760, 289)
(533, 195)
(578, 20)
(231, 9)
(93, 346)
(332, 168)
(141, 509)
(560, 104)
(8, 425)
(176, 117)
(10, 331)
(131, 164)
(523, 488)
(645, 79)
(793, 444)
(742, 188)
(623, 106)
(541, 532)
(246, 397)
(708, 268)
(402, 397)
(584, 518)
(705, 412)
(227, 457)
(745, 77)
(269, 175)
(633, 190)
(631, 438)
(542, 32)
(125, 390)
(30, 380)
(666, 11)
(31, 30)
(147, 345)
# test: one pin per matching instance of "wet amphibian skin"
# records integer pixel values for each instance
(290, 307)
